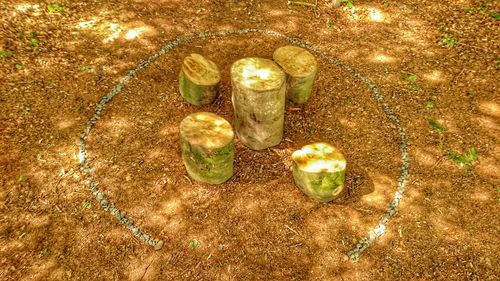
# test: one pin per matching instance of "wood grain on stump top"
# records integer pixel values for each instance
(257, 74)
(296, 61)
(200, 70)
(319, 157)
(206, 130)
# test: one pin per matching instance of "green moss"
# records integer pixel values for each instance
(300, 89)
(322, 187)
(195, 94)
(211, 167)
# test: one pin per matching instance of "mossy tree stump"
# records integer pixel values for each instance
(300, 67)
(319, 171)
(207, 147)
(198, 80)
(258, 95)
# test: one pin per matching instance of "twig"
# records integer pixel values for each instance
(188, 179)
(440, 159)
(291, 229)
(146, 269)
(304, 4)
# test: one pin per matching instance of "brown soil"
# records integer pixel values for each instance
(258, 225)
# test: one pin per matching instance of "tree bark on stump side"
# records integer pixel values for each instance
(258, 96)
(198, 80)
(300, 67)
(319, 171)
(207, 147)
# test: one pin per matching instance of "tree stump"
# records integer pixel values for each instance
(300, 67)
(319, 171)
(198, 80)
(207, 147)
(258, 96)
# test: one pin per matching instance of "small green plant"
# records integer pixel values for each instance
(85, 68)
(349, 3)
(34, 42)
(6, 54)
(463, 159)
(19, 66)
(43, 252)
(495, 16)
(435, 125)
(329, 23)
(412, 79)
(480, 9)
(430, 105)
(350, 101)
(86, 204)
(193, 244)
(449, 41)
(55, 8)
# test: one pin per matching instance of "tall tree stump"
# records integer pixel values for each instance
(207, 147)
(258, 95)
(319, 171)
(199, 79)
(300, 67)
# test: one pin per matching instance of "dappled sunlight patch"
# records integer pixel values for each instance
(490, 108)
(40, 221)
(41, 270)
(172, 224)
(347, 122)
(425, 157)
(27, 6)
(64, 124)
(434, 76)
(170, 130)
(443, 226)
(382, 58)
(488, 165)
(370, 14)
(87, 24)
(375, 15)
(142, 267)
(116, 126)
(488, 124)
(112, 31)
(11, 246)
(133, 33)
(247, 207)
(481, 195)
(383, 187)
(171, 207)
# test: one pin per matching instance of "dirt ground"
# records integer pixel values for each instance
(435, 62)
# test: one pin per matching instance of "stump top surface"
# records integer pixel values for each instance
(207, 130)
(319, 157)
(257, 74)
(296, 61)
(200, 70)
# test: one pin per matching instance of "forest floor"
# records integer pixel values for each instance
(435, 62)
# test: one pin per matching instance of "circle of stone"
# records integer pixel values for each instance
(363, 243)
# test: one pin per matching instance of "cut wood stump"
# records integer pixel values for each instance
(198, 80)
(258, 95)
(319, 171)
(207, 147)
(301, 67)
